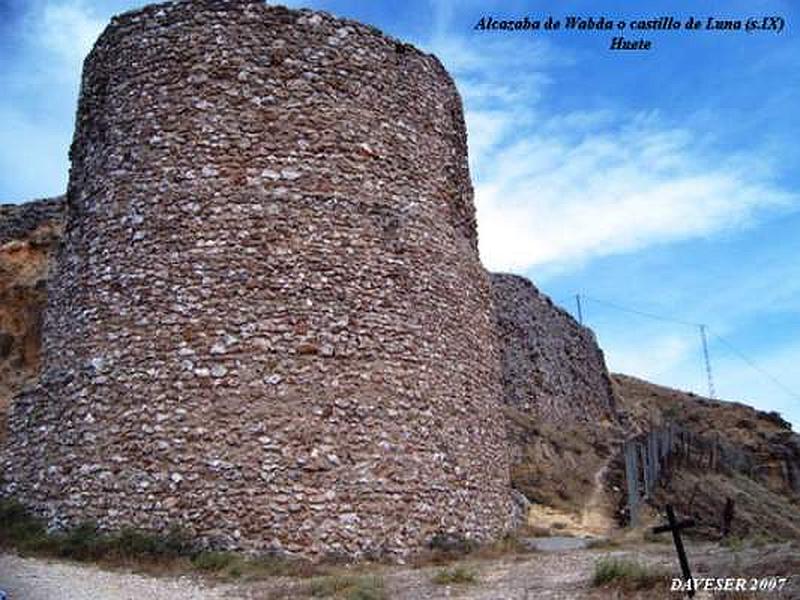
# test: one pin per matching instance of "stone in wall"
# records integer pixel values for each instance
(268, 322)
(36, 221)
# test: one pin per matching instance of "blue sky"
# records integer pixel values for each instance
(663, 180)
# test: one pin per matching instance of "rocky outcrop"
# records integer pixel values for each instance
(268, 323)
(721, 450)
(29, 236)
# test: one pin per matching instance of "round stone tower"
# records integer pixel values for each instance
(268, 322)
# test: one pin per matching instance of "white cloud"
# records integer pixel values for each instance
(666, 354)
(41, 83)
(556, 188)
(587, 185)
(548, 202)
(67, 29)
(486, 129)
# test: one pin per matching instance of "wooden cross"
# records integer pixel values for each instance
(675, 527)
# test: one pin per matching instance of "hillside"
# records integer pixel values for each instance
(770, 439)
(765, 488)
(558, 401)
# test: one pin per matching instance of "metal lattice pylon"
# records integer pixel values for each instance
(711, 392)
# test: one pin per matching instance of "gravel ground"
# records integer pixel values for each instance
(38, 579)
(524, 577)
(537, 576)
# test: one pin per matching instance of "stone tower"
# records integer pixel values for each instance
(268, 321)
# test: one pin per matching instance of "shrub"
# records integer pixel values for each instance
(733, 543)
(536, 531)
(453, 544)
(760, 540)
(213, 561)
(455, 575)
(656, 538)
(18, 528)
(626, 574)
(85, 542)
(348, 587)
(130, 543)
(670, 413)
(272, 565)
(602, 543)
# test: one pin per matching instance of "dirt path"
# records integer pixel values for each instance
(596, 516)
(522, 577)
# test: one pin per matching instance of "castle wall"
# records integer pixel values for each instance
(559, 407)
(268, 322)
(18, 222)
(553, 368)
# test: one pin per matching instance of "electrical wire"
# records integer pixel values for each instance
(755, 366)
(741, 355)
(639, 312)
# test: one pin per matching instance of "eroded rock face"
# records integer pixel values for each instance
(268, 323)
(29, 235)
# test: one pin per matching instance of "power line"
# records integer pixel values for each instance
(703, 329)
(700, 326)
(753, 365)
(638, 312)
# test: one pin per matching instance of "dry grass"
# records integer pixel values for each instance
(763, 505)
(761, 515)
(604, 543)
(348, 587)
(627, 574)
(440, 554)
(455, 575)
(158, 554)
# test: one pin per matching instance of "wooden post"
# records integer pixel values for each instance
(632, 479)
(652, 438)
(645, 468)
